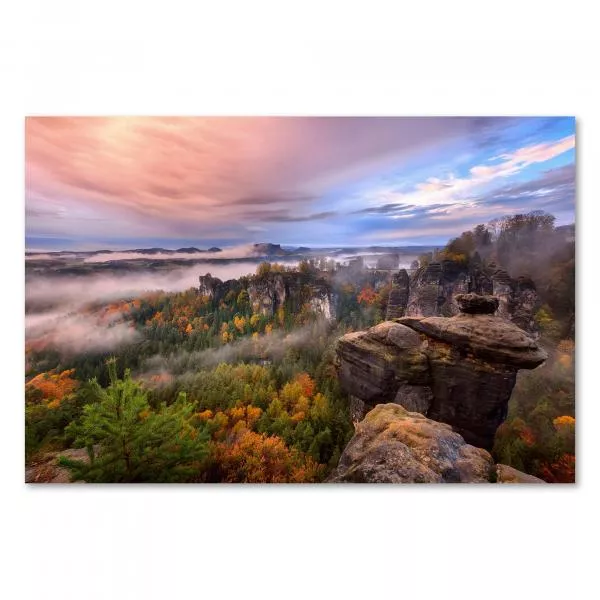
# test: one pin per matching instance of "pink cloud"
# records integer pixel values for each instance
(174, 174)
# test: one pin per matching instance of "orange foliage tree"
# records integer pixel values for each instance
(258, 458)
(51, 388)
(367, 296)
(306, 384)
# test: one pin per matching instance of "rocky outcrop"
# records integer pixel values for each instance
(268, 292)
(524, 301)
(323, 302)
(458, 370)
(398, 298)
(373, 364)
(393, 445)
(473, 304)
(48, 470)
(208, 285)
(432, 291)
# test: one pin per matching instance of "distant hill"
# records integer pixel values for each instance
(267, 249)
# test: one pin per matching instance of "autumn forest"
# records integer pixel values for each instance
(209, 385)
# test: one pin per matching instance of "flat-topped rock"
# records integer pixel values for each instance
(485, 336)
(459, 370)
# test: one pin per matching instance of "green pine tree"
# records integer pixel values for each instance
(127, 441)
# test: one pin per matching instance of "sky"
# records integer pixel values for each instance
(136, 182)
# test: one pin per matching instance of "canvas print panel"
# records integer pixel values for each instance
(300, 300)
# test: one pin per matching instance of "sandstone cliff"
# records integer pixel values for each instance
(393, 445)
(458, 370)
(431, 291)
(268, 292)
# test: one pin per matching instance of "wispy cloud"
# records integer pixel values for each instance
(452, 189)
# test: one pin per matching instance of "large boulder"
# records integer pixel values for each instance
(458, 370)
(393, 445)
(484, 336)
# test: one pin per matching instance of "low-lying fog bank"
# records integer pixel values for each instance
(54, 303)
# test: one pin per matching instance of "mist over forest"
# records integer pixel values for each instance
(62, 289)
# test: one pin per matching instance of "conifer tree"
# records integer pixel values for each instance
(127, 441)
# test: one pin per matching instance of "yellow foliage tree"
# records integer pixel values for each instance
(564, 421)
(239, 323)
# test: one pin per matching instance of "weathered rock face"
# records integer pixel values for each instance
(373, 364)
(473, 304)
(393, 445)
(208, 285)
(523, 305)
(323, 302)
(432, 291)
(484, 337)
(398, 298)
(267, 295)
(270, 292)
(458, 370)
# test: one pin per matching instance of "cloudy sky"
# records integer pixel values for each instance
(123, 182)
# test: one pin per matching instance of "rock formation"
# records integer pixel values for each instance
(458, 370)
(398, 299)
(208, 285)
(432, 290)
(393, 445)
(268, 292)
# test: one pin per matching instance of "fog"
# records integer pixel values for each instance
(245, 251)
(72, 333)
(56, 313)
(272, 346)
(73, 291)
(58, 306)
(370, 259)
(49, 256)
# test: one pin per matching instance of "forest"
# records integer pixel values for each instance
(206, 388)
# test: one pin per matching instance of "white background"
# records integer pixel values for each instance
(256, 57)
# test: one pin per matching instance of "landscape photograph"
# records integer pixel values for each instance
(288, 299)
